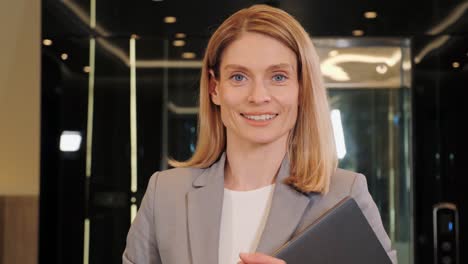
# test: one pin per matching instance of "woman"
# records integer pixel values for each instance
(265, 163)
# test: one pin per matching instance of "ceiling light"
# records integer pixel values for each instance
(370, 15)
(180, 35)
(455, 64)
(86, 69)
(64, 56)
(188, 55)
(178, 43)
(47, 42)
(358, 33)
(382, 69)
(170, 19)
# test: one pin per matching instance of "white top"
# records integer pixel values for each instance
(243, 219)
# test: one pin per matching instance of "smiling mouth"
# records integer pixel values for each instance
(262, 117)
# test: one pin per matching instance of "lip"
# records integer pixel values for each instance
(259, 123)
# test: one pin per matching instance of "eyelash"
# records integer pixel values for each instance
(237, 75)
(280, 75)
(234, 76)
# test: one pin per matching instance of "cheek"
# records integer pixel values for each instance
(230, 100)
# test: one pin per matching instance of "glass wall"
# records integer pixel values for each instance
(131, 102)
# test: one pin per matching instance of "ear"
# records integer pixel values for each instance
(213, 88)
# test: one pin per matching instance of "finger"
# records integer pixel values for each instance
(259, 258)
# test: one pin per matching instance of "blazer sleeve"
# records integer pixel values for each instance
(142, 247)
(360, 193)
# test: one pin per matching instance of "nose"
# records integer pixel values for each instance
(259, 93)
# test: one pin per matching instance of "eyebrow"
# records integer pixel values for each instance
(271, 67)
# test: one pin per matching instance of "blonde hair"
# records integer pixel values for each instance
(311, 148)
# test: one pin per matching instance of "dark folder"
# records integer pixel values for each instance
(342, 235)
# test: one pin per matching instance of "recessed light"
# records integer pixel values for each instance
(47, 42)
(370, 14)
(86, 69)
(188, 55)
(178, 43)
(180, 35)
(64, 56)
(358, 33)
(134, 36)
(170, 19)
(455, 64)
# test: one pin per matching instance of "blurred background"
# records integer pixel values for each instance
(96, 95)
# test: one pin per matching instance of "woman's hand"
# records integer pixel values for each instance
(258, 258)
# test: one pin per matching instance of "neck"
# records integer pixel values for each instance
(250, 167)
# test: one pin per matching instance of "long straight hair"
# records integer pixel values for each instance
(311, 145)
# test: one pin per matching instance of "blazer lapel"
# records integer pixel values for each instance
(204, 209)
(287, 209)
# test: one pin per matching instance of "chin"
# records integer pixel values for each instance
(264, 139)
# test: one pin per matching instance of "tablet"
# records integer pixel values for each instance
(341, 235)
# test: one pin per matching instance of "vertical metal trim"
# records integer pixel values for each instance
(391, 162)
(92, 14)
(89, 130)
(133, 212)
(87, 226)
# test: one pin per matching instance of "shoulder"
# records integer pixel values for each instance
(343, 183)
(176, 179)
(346, 183)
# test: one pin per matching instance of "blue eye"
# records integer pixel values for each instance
(238, 77)
(279, 78)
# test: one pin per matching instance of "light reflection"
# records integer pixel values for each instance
(70, 141)
(406, 65)
(330, 66)
(338, 133)
(333, 53)
(133, 117)
(381, 69)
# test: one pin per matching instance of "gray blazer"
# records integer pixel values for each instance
(179, 218)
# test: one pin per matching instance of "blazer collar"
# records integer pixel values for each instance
(205, 209)
(287, 208)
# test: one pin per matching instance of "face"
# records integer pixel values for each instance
(257, 90)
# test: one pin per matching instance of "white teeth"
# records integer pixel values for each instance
(260, 117)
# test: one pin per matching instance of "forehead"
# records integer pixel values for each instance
(258, 51)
